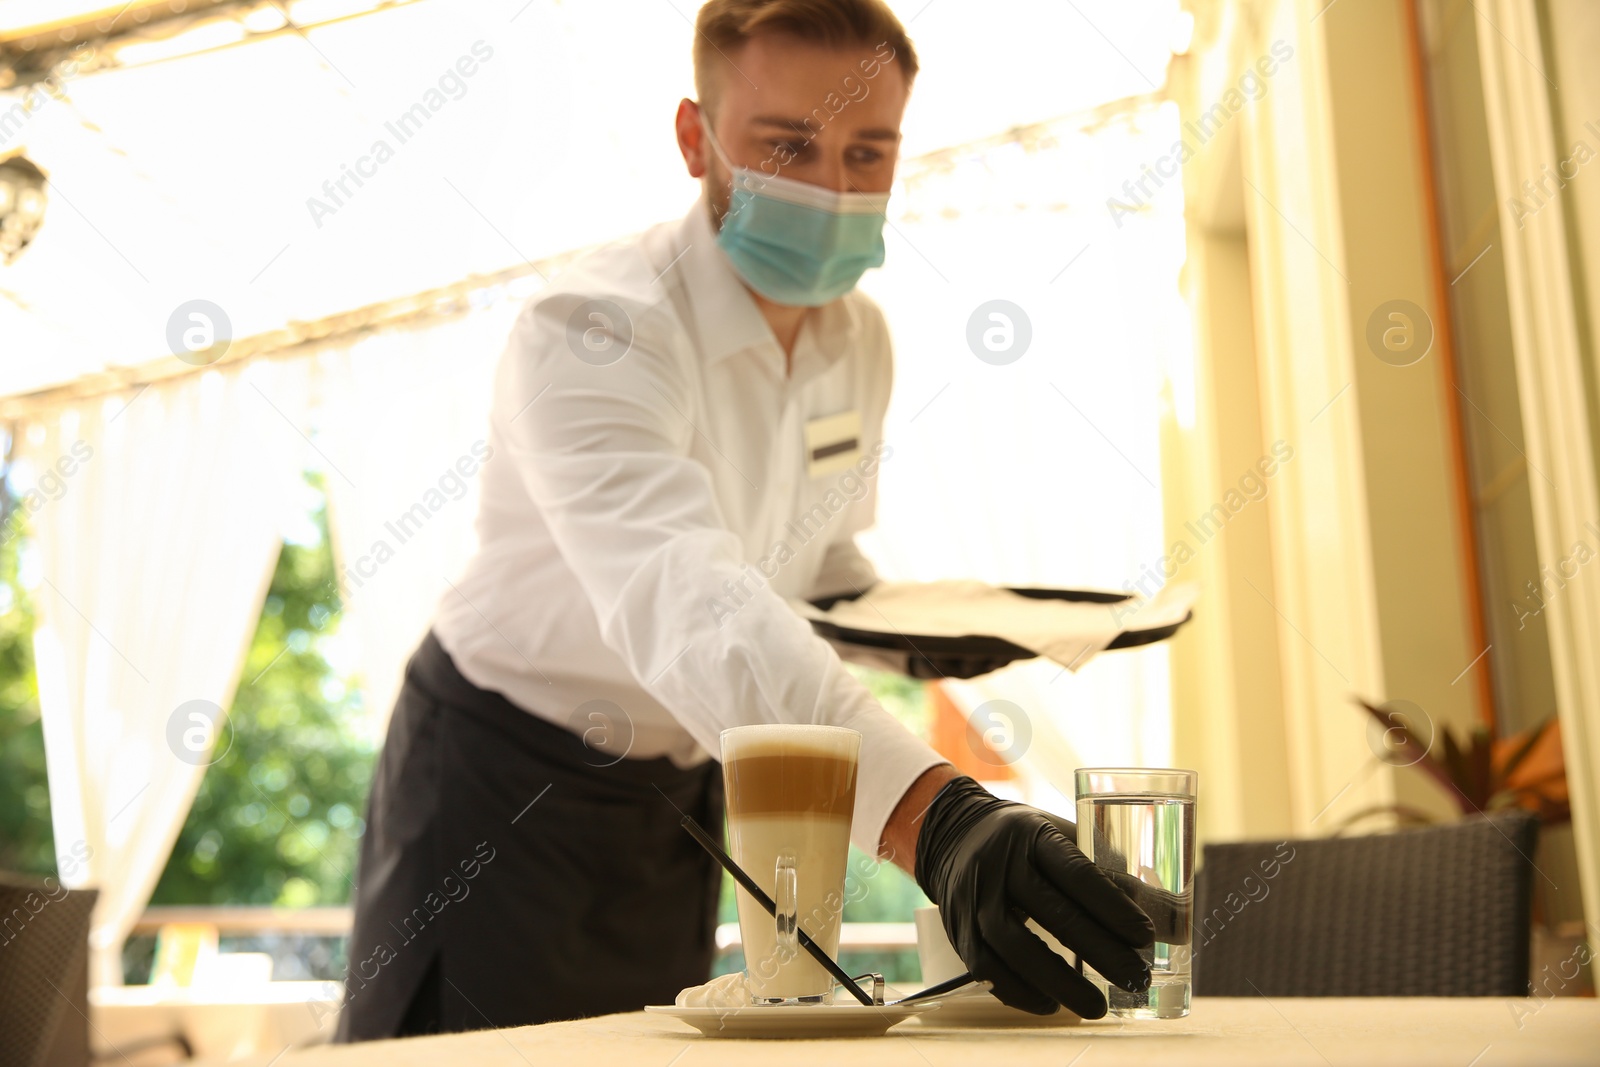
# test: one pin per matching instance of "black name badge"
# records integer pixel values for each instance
(833, 443)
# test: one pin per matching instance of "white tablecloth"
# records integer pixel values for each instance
(1316, 1032)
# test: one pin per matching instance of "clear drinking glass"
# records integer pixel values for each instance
(1138, 826)
(790, 792)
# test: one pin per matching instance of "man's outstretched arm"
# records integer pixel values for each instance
(993, 864)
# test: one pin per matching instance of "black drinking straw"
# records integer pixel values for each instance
(939, 989)
(709, 843)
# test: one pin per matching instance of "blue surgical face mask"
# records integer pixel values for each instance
(796, 243)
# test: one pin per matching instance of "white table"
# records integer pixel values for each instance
(1317, 1032)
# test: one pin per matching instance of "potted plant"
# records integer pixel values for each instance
(1481, 773)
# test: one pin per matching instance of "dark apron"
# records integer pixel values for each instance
(506, 879)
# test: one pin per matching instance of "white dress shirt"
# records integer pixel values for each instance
(643, 517)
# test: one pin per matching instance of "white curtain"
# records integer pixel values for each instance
(402, 415)
(155, 541)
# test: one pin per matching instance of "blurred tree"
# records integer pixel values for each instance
(278, 816)
(26, 842)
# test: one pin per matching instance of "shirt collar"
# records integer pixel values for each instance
(726, 318)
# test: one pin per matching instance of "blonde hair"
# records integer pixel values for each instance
(724, 25)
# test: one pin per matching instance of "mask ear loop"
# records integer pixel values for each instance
(716, 147)
(711, 138)
(753, 178)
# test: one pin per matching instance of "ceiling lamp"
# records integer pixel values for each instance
(21, 203)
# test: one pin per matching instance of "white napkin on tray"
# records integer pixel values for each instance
(1069, 632)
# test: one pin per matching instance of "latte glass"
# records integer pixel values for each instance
(791, 790)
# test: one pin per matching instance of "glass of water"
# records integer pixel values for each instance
(1138, 826)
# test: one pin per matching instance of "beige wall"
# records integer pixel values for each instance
(1228, 716)
(1352, 576)
(1367, 541)
(1428, 623)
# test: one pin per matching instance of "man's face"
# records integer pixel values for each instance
(829, 117)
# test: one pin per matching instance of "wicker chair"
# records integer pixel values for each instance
(44, 969)
(1442, 911)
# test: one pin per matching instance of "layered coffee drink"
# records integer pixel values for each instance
(791, 790)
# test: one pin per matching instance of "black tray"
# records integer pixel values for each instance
(933, 656)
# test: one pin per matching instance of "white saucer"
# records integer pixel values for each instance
(978, 1007)
(798, 1020)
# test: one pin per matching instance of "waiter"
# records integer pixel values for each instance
(686, 429)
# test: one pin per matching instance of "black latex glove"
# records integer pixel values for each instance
(990, 865)
(1168, 911)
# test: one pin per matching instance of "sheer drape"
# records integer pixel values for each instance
(404, 423)
(155, 539)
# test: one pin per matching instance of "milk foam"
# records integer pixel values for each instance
(790, 739)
